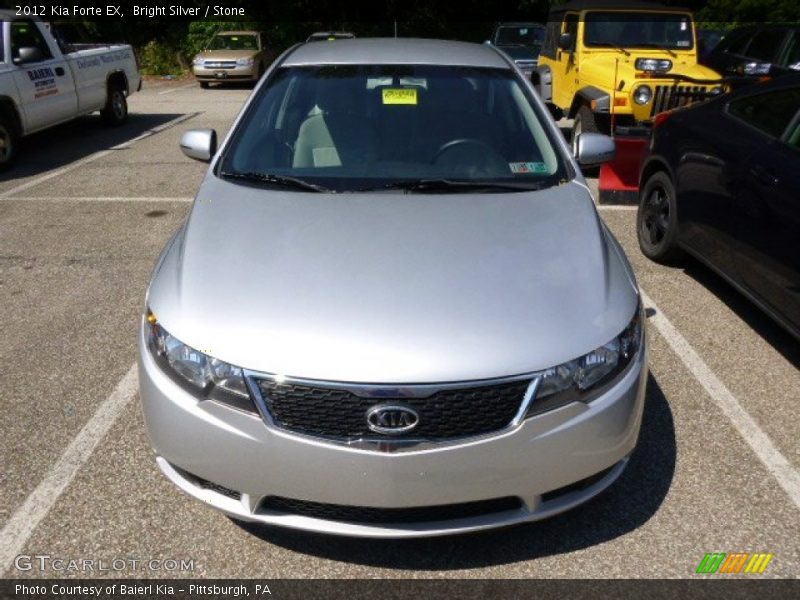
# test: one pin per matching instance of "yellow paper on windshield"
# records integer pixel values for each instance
(399, 96)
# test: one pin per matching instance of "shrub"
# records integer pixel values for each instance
(160, 59)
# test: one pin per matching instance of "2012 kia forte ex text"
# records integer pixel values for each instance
(393, 310)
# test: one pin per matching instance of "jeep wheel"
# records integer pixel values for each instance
(585, 122)
(116, 109)
(8, 143)
(657, 219)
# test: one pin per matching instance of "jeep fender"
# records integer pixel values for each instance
(542, 79)
(595, 98)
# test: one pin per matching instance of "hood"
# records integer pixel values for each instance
(603, 66)
(392, 287)
(519, 52)
(227, 54)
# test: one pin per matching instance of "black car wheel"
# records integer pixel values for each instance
(657, 219)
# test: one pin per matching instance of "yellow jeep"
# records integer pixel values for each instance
(613, 68)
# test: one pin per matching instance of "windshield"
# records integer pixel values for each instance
(519, 36)
(234, 42)
(643, 30)
(353, 127)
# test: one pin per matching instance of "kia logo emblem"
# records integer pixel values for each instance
(392, 419)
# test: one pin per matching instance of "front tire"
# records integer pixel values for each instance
(657, 219)
(116, 110)
(9, 143)
(585, 122)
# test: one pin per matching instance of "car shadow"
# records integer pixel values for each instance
(231, 85)
(775, 335)
(64, 144)
(627, 505)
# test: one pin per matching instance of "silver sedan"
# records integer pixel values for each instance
(393, 310)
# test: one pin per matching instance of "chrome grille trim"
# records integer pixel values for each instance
(219, 64)
(667, 97)
(378, 391)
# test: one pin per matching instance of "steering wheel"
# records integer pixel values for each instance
(447, 146)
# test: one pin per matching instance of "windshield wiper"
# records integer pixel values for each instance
(611, 45)
(446, 185)
(659, 46)
(281, 180)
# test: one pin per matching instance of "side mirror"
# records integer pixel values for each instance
(29, 54)
(199, 144)
(592, 149)
(565, 42)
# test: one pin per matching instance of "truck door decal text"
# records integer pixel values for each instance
(44, 82)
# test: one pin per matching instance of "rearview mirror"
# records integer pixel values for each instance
(199, 144)
(565, 41)
(28, 54)
(592, 149)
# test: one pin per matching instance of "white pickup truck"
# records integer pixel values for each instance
(43, 84)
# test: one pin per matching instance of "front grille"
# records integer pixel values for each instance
(368, 514)
(219, 64)
(447, 413)
(667, 97)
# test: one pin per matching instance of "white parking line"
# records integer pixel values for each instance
(101, 199)
(613, 207)
(97, 155)
(175, 89)
(25, 519)
(775, 462)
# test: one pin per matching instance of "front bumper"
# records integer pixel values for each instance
(238, 73)
(232, 461)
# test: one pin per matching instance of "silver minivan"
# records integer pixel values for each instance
(393, 310)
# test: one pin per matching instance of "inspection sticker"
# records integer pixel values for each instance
(399, 96)
(528, 167)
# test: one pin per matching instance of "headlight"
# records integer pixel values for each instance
(198, 60)
(755, 68)
(660, 65)
(203, 375)
(642, 94)
(245, 62)
(584, 378)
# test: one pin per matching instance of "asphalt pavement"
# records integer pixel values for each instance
(83, 218)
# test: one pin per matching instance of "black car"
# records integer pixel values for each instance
(707, 40)
(722, 182)
(521, 41)
(757, 50)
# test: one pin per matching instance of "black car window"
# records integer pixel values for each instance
(791, 55)
(770, 112)
(793, 139)
(736, 42)
(765, 45)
